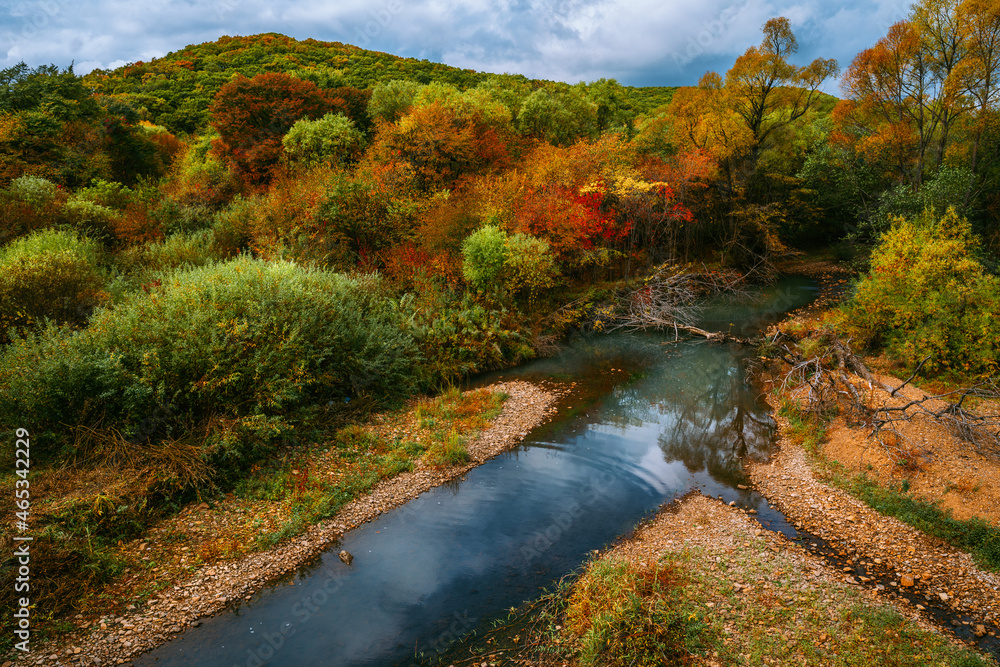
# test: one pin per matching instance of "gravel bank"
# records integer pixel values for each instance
(115, 640)
(883, 546)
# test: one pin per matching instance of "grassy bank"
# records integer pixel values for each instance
(979, 538)
(90, 569)
(724, 597)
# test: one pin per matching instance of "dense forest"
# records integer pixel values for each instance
(244, 239)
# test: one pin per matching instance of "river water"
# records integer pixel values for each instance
(647, 420)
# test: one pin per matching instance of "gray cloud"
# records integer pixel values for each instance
(641, 42)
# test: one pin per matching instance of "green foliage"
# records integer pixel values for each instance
(927, 296)
(391, 100)
(232, 228)
(484, 255)
(976, 536)
(243, 347)
(93, 220)
(626, 615)
(332, 140)
(498, 265)
(49, 275)
(33, 190)
(559, 117)
(949, 189)
(457, 339)
(530, 267)
(175, 91)
(450, 452)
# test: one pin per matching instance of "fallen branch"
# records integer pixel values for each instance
(830, 382)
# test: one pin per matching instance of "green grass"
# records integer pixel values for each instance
(687, 610)
(976, 536)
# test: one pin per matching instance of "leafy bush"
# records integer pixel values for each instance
(458, 339)
(500, 265)
(485, 254)
(49, 275)
(94, 220)
(241, 348)
(530, 266)
(927, 296)
(33, 190)
(144, 264)
(332, 139)
(232, 228)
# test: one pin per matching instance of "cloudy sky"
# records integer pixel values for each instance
(638, 42)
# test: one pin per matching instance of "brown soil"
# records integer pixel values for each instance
(937, 465)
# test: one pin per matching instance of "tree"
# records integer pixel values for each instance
(392, 99)
(769, 93)
(333, 139)
(252, 116)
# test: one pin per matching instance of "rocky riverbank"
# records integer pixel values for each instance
(114, 640)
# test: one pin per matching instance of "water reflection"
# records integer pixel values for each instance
(646, 421)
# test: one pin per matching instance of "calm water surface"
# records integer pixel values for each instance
(648, 419)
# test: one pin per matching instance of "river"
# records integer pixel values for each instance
(647, 420)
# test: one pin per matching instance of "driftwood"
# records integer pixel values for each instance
(839, 380)
(669, 300)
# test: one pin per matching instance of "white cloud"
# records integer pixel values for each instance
(644, 42)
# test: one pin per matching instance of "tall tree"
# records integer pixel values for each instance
(252, 115)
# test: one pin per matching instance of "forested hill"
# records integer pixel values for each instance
(175, 90)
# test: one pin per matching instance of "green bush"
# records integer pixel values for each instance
(232, 228)
(485, 255)
(926, 295)
(176, 251)
(499, 265)
(49, 275)
(94, 220)
(332, 139)
(33, 190)
(459, 339)
(243, 348)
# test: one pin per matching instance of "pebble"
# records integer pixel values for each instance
(527, 406)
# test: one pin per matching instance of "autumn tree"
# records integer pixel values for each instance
(930, 74)
(766, 91)
(252, 116)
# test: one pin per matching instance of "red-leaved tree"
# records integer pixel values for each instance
(252, 115)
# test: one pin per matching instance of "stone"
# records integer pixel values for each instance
(346, 557)
(980, 630)
(943, 596)
(906, 580)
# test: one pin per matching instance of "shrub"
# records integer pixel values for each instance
(93, 220)
(232, 228)
(243, 348)
(458, 339)
(332, 139)
(33, 190)
(927, 296)
(499, 265)
(485, 255)
(49, 275)
(144, 263)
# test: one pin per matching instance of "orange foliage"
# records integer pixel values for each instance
(135, 226)
(440, 147)
(252, 115)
